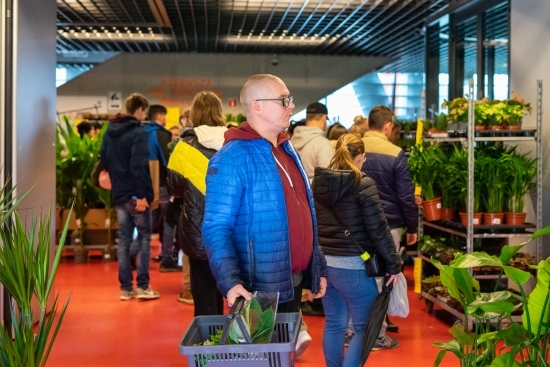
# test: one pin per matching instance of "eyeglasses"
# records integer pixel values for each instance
(285, 100)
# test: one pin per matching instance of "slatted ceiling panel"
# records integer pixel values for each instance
(331, 27)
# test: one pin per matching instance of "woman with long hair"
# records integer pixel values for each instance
(342, 190)
(187, 179)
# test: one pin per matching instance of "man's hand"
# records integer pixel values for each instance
(411, 238)
(141, 205)
(393, 279)
(237, 291)
(322, 290)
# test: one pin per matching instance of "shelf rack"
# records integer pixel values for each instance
(535, 135)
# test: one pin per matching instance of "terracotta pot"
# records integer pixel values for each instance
(464, 218)
(479, 128)
(515, 219)
(448, 213)
(432, 209)
(494, 127)
(493, 218)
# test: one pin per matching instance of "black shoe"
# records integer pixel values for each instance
(157, 258)
(169, 266)
(309, 310)
(133, 262)
(391, 327)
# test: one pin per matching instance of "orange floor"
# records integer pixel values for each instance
(101, 330)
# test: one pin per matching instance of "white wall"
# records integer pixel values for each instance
(529, 61)
(173, 79)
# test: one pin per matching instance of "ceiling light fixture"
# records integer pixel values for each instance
(281, 40)
(116, 35)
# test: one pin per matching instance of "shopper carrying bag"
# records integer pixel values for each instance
(351, 222)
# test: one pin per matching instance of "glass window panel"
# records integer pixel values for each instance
(467, 51)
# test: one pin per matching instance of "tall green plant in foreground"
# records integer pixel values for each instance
(25, 272)
(514, 345)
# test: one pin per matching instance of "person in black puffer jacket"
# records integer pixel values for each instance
(344, 191)
(187, 180)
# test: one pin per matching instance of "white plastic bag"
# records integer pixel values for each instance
(399, 303)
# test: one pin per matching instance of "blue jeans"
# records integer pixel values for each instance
(349, 293)
(128, 219)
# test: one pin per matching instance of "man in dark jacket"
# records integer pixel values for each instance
(159, 138)
(387, 165)
(125, 155)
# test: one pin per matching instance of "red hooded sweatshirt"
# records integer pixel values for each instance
(300, 223)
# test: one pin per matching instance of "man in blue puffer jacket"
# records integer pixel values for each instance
(259, 228)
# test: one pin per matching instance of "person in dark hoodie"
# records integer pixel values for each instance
(125, 155)
(342, 190)
(259, 228)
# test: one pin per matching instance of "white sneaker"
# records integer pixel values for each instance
(149, 293)
(303, 342)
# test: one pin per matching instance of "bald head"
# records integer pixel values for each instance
(255, 87)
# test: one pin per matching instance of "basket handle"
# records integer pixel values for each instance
(236, 314)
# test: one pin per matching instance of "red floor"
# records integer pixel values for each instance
(101, 330)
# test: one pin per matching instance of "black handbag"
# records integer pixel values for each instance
(374, 263)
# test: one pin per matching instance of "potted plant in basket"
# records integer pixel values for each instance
(522, 171)
(424, 164)
(509, 344)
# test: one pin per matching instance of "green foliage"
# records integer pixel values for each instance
(494, 178)
(458, 109)
(75, 159)
(260, 324)
(25, 272)
(527, 342)
(520, 182)
(424, 164)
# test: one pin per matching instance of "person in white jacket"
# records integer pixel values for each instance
(310, 140)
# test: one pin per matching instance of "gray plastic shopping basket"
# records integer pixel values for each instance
(278, 353)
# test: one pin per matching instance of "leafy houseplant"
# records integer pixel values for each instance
(515, 109)
(458, 109)
(424, 165)
(494, 178)
(527, 343)
(523, 170)
(25, 272)
(75, 159)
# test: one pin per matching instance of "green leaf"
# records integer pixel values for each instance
(516, 275)
(485, 337)
(440, 355)
(265, 328)
(452, 346)
(463, 337)
(537, 304)
(514, 335)
(508, 252)
(505, 360)
(476, 259)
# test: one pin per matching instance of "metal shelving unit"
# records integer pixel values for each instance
(469, 234)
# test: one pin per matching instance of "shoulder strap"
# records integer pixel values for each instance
(364, 254)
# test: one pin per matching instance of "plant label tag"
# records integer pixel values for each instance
(438, 206)
(107, 222)
(496, 220)
(476, 221)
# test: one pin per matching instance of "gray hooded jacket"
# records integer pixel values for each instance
(314, 148)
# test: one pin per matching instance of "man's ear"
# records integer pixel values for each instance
(256, 107)
(386, 130)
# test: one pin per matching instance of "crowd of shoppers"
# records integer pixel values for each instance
(256, 210)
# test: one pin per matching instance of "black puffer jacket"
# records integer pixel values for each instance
(186, 179)
(359, 209)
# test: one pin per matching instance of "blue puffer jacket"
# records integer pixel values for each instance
(245, 228)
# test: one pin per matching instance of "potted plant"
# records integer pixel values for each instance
(457, 172)
(448, 186)
(480, 114)
(509, 343)
(25, 273)
(424, 165)
(457, 109)
(522, 171)
(514, 111)
(494, 178)
(495, 114)
(74, 163)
